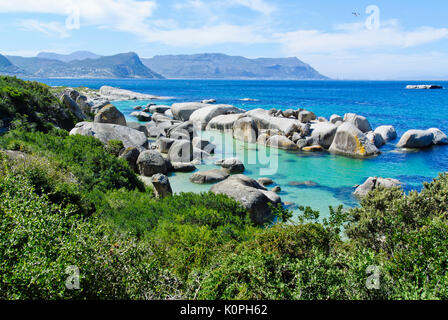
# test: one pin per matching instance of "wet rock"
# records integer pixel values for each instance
(315, 148)
(303, 183)
(204, 145)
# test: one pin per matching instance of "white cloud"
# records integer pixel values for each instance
(257, 5)
(123, 15)
(205, 36)
(49, 28)
(357, 36)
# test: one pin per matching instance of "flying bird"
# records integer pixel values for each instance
(356, 14)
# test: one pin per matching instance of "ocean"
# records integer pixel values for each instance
(330, 178)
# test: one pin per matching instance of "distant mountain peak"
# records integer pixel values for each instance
(222, 66)
(77, 55)
(86, 65)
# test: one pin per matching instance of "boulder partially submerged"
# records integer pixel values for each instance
(374, 182)
(350, 141)
(210, 176)
(424, 87)
(231, 165)
(388, 133)
(248, 192)
(416, 139)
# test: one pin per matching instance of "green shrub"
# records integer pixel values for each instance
(114, 147)
(31, 105)
(85, 157)
(39, 240)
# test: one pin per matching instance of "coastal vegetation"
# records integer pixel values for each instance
(70, 201)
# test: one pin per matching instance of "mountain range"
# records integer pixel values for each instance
(221, 66)
(84, 64)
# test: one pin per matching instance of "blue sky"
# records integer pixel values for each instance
(409, 40)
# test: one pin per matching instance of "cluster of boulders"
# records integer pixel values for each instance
(177, 147)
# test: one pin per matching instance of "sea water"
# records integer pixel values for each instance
(330, 178)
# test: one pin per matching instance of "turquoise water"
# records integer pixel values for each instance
(333, 176)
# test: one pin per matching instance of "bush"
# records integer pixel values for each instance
(39, 240)
(92, 165)
(31, 105)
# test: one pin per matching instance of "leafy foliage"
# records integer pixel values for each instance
(31, 105)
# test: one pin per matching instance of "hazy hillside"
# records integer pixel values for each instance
(221, 66)
(78, 55)
(7, 67)
(125, 65)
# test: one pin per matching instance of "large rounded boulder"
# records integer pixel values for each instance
(416, 139)
(246, 130)
(110, 114)
(388, 133)
(210, 176)
(323, 134)
(373, 183)
(181, 151)
(281, 142)
(223, 122)
(201, 117)
(106, 132)
(249, 193)
(151, 162)
(439, 138)
(350, 141)
(231, 165)
(183, 111)
(358, 121)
